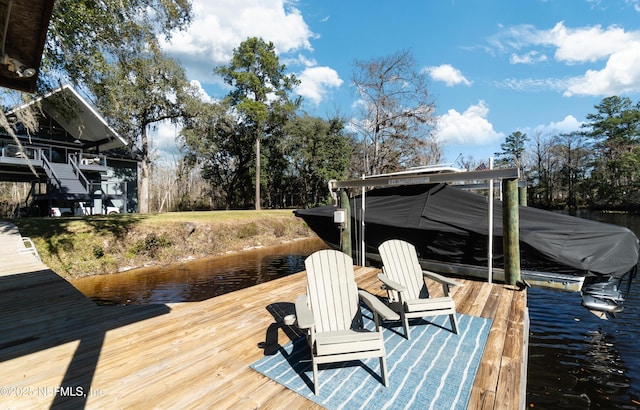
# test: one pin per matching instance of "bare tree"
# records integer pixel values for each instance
(575, 156)
(544, 169)
(469, 163)
(396, 118)
(177, 186)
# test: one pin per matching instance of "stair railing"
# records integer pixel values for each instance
(73, 160)
(48, 169)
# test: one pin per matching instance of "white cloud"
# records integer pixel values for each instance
(635, 4)
(572, 45)
(568, 124)
(305, 61)
(621, 75)
(565, 126)
(448, 74)
(470, 128)
(588, 44)
(617, 48)
(316, 81)
(515, 38)
(534, 84)
(530, 57)
(164, 141)
(200, 92)
(164, 134)
(220, 26)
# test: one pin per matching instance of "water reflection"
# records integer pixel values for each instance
(199, 280)
(578, 361)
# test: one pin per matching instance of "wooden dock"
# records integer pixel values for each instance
(57, 348)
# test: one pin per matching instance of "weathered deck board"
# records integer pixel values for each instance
(197, 355)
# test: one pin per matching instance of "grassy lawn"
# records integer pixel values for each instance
(47, 226)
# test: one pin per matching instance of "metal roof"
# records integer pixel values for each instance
(78, 118)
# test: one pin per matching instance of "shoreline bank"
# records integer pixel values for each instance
(87, 246)
(231, 253)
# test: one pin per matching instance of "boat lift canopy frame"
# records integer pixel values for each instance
(429, 175)
(420, 177)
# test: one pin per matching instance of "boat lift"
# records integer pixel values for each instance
(447, 174)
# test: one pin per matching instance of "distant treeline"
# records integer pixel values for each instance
(597, 167)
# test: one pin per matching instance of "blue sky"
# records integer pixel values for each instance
(495, 67)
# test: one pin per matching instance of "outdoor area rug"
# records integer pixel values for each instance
(433, 370)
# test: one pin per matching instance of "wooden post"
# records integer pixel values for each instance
(511, 231)
(522, 195)
(345, 239)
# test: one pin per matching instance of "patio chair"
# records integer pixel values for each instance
(404, 280)
(330, 314)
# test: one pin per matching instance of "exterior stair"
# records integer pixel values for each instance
(69, 181)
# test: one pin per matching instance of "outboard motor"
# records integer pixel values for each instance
(607, 294)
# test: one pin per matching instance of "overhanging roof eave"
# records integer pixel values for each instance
(86, 111)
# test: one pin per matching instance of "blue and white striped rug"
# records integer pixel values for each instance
(433, 370)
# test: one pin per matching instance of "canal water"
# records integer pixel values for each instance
(201, 279)
(576, 360)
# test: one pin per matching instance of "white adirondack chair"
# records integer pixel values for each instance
(330, 313)
(404, 280)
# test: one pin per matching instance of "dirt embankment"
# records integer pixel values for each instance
(76, 247)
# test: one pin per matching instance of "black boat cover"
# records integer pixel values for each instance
(449, 224)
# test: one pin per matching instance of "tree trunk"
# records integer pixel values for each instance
(143, 193)
(258, 172)
(145, 171)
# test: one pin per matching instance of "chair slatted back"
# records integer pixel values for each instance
(401, 265)
(332, 290)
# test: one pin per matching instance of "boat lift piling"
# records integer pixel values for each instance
(522, 195)
(511, 228)
(344, 220)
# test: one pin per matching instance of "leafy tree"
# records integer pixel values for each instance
(599, 167)
(397, 114)
(319, 151)
(310, 152)
(617, 122)
(513, 149)
(110, 50)
(215, 143)
(615, 129)
(260, 94)
(86, 37)
(156, 90)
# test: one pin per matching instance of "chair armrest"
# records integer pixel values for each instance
(389, 284)
(377, 306)
(441, 279)
(304, 316)
(446, 282)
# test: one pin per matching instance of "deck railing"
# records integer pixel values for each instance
(84, 159)
(14, 151)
